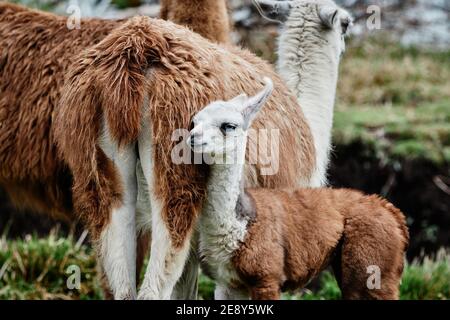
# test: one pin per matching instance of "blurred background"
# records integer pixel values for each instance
(391, 137)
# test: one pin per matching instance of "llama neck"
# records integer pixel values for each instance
(309, 66)
(224, 188)
(209, 18)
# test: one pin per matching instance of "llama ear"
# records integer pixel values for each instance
(331, 16)
(346, 20)
(328, 15)
(254, 104)
(281, 7)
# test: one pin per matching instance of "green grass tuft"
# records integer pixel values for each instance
(397, 132)
(36, 268)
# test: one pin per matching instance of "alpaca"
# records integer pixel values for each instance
(309, 51)
(80, 108)
(206, 17)
(259, 241)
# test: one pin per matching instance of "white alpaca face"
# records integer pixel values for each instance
(222, 126)
(218, 127)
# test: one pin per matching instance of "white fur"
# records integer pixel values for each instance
(227, 293)
(118, 239)
(143, 206)
(221, 232)
(187, 285)
(309, 56)
(166, 263)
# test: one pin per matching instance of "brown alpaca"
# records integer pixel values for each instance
(305, 230)
(136, 85)
(259, 242)
(206, 17)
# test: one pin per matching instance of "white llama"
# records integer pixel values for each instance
(309, 51)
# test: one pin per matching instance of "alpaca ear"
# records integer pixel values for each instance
(328, 15)
(346, 20)
(281, 7)
(254, 104)
(239, 100)
(331, 16)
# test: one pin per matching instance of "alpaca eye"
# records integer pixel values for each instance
(227, 128)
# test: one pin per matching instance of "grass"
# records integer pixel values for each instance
(398, 132)
(36, 268)
(378, 71)
(395, 100)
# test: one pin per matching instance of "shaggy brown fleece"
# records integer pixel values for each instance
(109, 81)
(208, 18)
(182, 77)
(296, 234)
(36, 50)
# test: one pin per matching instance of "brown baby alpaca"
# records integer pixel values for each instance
(295, 235)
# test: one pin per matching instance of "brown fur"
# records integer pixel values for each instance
(36, 50)
(305, 230)
(208, 18)
(109, 81)
(183, 77)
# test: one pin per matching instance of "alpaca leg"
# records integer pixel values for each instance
(106, 289)
(226, 293)
(166, 262)
(355, 282)
(371, 258)
(187, 286)
(266, 291)
(143, 220)
(118, 239)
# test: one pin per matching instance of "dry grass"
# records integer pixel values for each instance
(378, 71)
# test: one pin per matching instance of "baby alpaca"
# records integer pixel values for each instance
(258, 242)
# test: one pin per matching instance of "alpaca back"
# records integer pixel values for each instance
(176, 73)
(110, 80)
(306, 229)
(298, 230)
